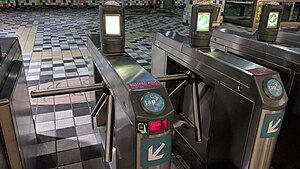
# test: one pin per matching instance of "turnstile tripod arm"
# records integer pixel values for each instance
(196, 111)
(178, 89)
(97, 109)
(66, 90)
(109, 130)
(99, 105)
(173, 77)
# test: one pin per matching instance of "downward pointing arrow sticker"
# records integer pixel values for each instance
(154, 156)
(273, 128)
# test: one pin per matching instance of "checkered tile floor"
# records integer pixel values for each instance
(58, 57)
(7, 32)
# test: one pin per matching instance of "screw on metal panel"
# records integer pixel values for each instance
(240, 88)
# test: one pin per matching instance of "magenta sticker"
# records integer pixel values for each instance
(258, 71)
(144, 85)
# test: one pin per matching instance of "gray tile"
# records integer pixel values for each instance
(59, 75)
(81, 120)
(87, 140)
(46, 136)
(46, 148)
(46, 72)
(68, 157)
(72, 166)
(96, 163)
(44, 126)
(84, 129)
(67, 144)
(63, 114)
(64, 123)
(44, 117)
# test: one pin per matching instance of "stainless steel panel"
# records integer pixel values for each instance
(118, 73)
(17, 122)
(231, 103)
(159, 57)
(263, 149)
(10, 52)
(9, 134)
(277, 53)
(290, 36)
(4, 161)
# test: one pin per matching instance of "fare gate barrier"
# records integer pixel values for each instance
(241, 105)
(17, 132)
(289, 36)
(139, 119)
(283, 57)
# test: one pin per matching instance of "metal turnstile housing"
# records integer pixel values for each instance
(128, 82)
(17, 132)
(233, 105)
(284, 58)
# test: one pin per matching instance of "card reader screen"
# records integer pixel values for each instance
(203, 21)
(112, 25)
(273, 20)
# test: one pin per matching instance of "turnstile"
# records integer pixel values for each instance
(284, 58)
(240, 118)
(17, 133)
(143, 117)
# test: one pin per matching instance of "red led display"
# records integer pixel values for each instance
(157, 125)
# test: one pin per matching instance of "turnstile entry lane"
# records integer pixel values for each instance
(281, 56)
(240, 113)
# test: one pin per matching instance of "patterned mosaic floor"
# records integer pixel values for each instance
(55, 55)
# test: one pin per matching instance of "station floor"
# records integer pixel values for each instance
(55, 55)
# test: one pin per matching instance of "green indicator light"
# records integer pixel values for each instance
(203, 21)
(273, 20)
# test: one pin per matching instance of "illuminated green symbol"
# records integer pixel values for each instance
(203, 21)
(273, 18)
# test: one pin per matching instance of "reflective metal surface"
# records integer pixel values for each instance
(17, 128)
(109, 129)
(16, 120)
(10, 52)
(262, 154)
(247, 46)
(231, 99)
(284, 58)
(128, 82)
(196, 110)
(66, 90)
(290, 36)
